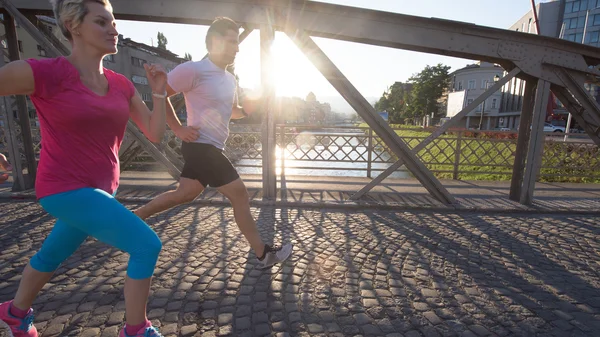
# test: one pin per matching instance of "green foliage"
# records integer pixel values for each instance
(428, 86)
(161, 41)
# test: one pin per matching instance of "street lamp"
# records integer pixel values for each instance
(487, 86)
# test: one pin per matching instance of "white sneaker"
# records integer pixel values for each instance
(273, 255)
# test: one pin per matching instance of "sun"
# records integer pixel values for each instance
(293, 73)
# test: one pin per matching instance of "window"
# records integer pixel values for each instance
(460, 87)
(529, 26)
(594, 37)
(494, 103)
(139, 80)
(109, 58)
(576, 6)
(569, 7)
(581, 22)
(469, 101)
(570, 37)
(596, 21)
(484, 84)
(138, 62)
(41, 51)
(579, 37)
(571, 23)
(472, 84)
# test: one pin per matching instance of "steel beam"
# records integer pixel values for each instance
(436, 36)
(23, 113)
(14, 153)
(267, 36)
(153, 150)
(438, 132)
(576, 110)
(368, 113)
(536, 142)
(522, 141)
(589, 116)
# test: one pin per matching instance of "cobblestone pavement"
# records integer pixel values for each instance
(373, 273)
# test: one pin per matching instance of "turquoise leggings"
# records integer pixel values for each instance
(93, 212)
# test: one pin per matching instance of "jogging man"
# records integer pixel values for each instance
(211, 101)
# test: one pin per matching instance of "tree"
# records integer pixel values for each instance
(161, 41)
(188, 56)
(428, 87)
(394, 100)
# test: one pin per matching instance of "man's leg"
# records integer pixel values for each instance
(237, 194)
(187, 191)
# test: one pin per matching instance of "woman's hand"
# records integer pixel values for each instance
(4, 166)
(157, 78)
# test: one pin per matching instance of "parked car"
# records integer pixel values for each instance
(553, 128)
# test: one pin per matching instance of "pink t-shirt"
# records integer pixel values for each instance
(81, 131)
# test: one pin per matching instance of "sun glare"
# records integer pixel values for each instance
(290, 69)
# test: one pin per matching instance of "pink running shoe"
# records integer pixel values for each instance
(147, 331)
(17, 327)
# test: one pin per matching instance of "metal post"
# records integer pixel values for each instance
(267, 35)
(283, 146)
(457, 155)
(568, 127)
(481, 116)
(370, 152)
(587, 15)
(24, 122)
(536, 143)
(522, 141)
(535, 17)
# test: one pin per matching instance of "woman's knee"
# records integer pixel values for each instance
(148, 243)
(144, 255)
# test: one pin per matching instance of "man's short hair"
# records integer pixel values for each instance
(220, 27)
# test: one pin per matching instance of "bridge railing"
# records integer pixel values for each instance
(357, 151)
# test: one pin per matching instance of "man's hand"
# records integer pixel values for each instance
(187, 133)
(5, 166)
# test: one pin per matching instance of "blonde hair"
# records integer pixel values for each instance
(74, 11)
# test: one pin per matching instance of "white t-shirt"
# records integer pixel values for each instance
(210, 93)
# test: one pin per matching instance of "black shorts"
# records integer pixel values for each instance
(207, 164)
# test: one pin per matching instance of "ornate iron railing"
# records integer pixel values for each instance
(339, 150)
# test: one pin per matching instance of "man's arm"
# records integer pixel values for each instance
(238, 112)
(172, 120)
(185, 133)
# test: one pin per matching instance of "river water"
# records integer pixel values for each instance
(345, 156)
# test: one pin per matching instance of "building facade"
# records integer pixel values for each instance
(573, 20)
(469, 83)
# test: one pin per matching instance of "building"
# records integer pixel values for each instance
(573, 20)
(469, 83)
(549, 17)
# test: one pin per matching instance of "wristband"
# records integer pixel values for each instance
(159, 95)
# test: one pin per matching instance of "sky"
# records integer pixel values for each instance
(370, 68)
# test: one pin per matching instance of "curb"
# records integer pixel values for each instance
(352, 206)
